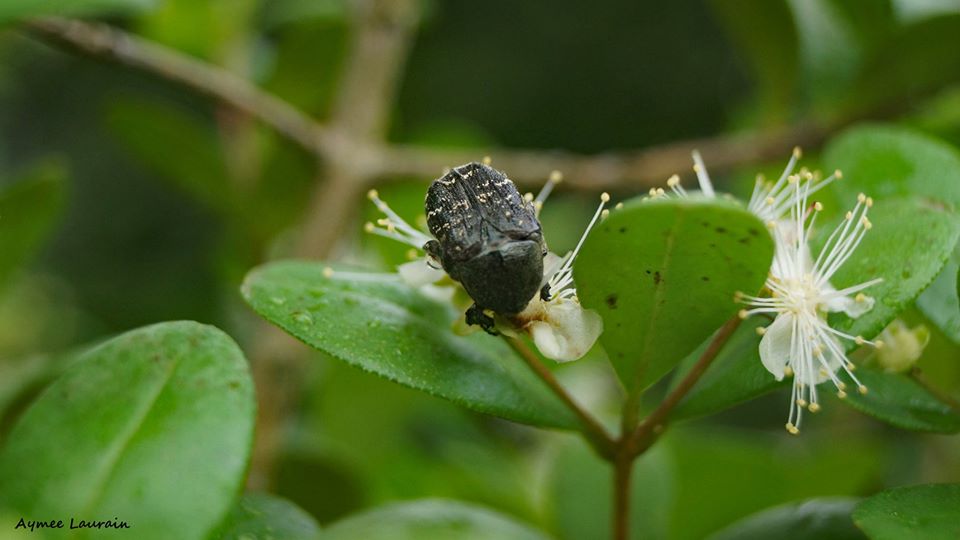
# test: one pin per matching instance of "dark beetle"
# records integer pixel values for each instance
(488, 238)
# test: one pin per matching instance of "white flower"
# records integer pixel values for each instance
(770, 201)
(800, 342)
(561, 329)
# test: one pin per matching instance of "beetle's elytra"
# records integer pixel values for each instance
(487, 237)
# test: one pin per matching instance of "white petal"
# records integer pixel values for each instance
(834, 362)
(567, 331)
(551, 264)
(775, 345)
(418, 273)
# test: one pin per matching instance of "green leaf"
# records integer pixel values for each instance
(907, 246)
(808, 520)
(378, 324)
(736, 375)
(152, 428)
(180, 147)
(663, 275)
(931, 512)
(903, 402)
(431, 518)
(260, 516)
(12, 10)
(886, 161)
(941, 301)
(28, 212)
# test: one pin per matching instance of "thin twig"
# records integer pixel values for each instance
(649, 429)
(598, 437)
(104, 41)
(374, 158)
(622, 476)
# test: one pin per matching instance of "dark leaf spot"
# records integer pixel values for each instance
(720, 230)
(612, 301)
(705, 278)
(656, 278)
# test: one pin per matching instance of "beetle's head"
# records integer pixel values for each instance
(504, 278)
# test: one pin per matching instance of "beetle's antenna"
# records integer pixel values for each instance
(555, 178)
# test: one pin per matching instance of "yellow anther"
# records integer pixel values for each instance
(869, 202)
(604, 214)
(743, 314)
(369, 227)
(618, 206)
(841, 394)
(327, 272)
(673, 181)
(556, 177)
(793, 179)
(814, 407)
(486, 160)
(653, 192)
(412, 254)
(817, 206)
(879, 344)
(792, 429)
(848, 216)
(851, 366)
(797, 152)
(866, 223)
(842, 385)
(761, 330)
(858, 340)
(660, 192)
(788, 371)
(528, 197)
(770, 201)
(861, 198)
(838, 174)
(605, 197)
(860, 297)
(802, 402)
(771, 224)
(373, 195)
(862, 389)
(696, 168)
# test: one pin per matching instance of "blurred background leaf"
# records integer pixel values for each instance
(11, 10)
(929, 511)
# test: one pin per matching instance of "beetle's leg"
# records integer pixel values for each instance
(475, 315)
(545, 292)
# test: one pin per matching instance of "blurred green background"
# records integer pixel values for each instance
(150, 202)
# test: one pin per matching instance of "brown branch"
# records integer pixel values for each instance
(381, 39)
(595, 433)
(646, 433)
(100, 40)
(622, 476)
(615, 170)
(365, 98)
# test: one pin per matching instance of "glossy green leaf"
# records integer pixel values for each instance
(903, 402)
(941, 301)
(12, 10)
(814, 519)
(180, 147)
(261, 516)
(931, 512)
(908, 245)
(886, 161)
(28, 212)
(379, 324)
(663, 275)
(736, 374)
(152, 428)
(431, 518)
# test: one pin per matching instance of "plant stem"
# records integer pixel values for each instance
(622, 473)
(595, 433)
(647, 432)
